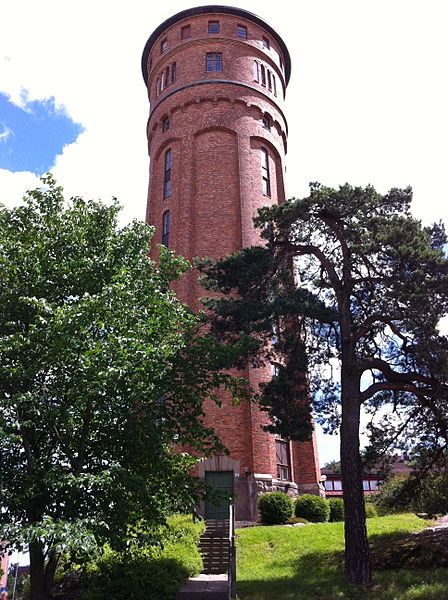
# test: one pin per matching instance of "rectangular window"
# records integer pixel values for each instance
(263, 75)
(173, 72)
(269, 80)
(329, 486)
(185, 32)
(374, 485)
(213, 26)
(167, 185)
(163, 46)
(365, 485)
(241, 31)
(214, 61)
(337, 485)
(283, 460)
(274, 84)
(166, 226)
(256, 71)
(266, 43)
(166, 77)
(265, 174)
(281, 61)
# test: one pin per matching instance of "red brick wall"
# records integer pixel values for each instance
(216, 135)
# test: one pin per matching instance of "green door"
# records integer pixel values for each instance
(222, 482)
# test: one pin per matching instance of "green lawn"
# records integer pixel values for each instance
(306, 563)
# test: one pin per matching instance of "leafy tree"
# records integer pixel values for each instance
(101, 372)
(353, 287)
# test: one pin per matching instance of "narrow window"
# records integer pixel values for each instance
(213, 26)
(274, 84)
(266, 123)
(185, 32)
(241, 31)
(166, 226)
(165, 124)
(173, 72)
(283, 460)
(163, 46)
(266, 43)
(159, 85)
(256, 71)
(281, 61)
(365, 485)
(266, 179)
(275, 370)
(214, 61)
(263, 75)
(166, 78)
(269, 79)
(167, 186)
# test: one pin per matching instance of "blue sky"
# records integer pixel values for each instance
(34, 134)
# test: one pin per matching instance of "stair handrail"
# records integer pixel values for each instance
(232, 552)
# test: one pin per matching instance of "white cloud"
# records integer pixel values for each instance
(5, 133)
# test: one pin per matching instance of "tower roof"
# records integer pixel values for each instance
(214, 8)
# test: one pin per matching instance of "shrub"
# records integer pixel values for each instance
(336, 509)
(312, 508)
(275, 508)
(294, 520)
(371, 510)
(149, 572)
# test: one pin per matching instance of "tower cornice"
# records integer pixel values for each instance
(214, 9)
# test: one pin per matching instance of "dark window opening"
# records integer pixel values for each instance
(214, 61)
(213, 26)
(241, 31)
(167, 185)
(173, 72)
(166, 77)
(265, 174)
(165, 124)
(185, 32)
(263, 75)
(266, 123)
(166, 226)
(266, 43)
(269, 80)
(163, 46)
(283, 460)
(281, 62)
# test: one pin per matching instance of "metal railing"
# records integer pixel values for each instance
(232, 553)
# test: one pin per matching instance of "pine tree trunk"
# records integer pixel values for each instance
(357, 562)
(37, 572)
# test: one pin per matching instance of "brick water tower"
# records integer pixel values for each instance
(217, 140)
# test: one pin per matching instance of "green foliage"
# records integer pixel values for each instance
(371, 510)
(101, 370)
(294, 520)
(149, 572)
(336, 509)
(275, 508)
(313, 508)
(420, 493)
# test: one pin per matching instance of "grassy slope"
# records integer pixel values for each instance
(306, 563)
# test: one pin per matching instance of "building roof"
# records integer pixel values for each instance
(213, 8)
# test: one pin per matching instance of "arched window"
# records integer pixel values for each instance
(167, 184)
(263, 75)
(166, 226)
(265, 172)
(173, 72)
(165, 124)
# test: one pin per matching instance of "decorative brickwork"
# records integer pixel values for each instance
(227, 135)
